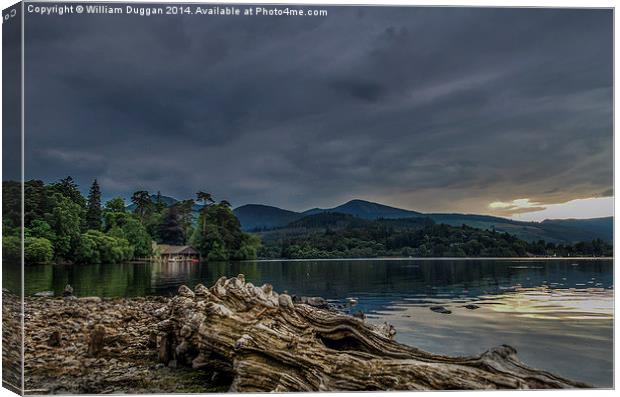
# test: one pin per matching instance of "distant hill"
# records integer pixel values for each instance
(337, 235)
(332, 220)
(258, 217)
(602, 228)
(261, 217)
(367, 210)
(556, 231)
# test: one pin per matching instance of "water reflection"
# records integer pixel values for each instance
(555, 304)
(558, 314)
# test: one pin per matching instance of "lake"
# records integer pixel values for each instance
(558, 314)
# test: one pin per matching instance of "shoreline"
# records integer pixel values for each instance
(441, 258)
(60, 338)
(60, 358)
(386, 258)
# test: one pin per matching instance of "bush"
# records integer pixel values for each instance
(137, 236)
(38, 250)
(11, 249)
(98, 247)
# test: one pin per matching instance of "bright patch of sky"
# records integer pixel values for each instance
(525, 210)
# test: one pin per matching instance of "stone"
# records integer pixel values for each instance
(440, 309)
(315, 301)
(68, 291)
(90, 299)
(54, 339)
(44, 294)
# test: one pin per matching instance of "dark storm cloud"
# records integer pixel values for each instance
(430, 109)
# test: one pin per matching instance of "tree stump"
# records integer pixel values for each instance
(264, 342)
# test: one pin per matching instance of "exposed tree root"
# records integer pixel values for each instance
(264, 342)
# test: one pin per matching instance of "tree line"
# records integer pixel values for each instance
(335, 235)
(63, 226)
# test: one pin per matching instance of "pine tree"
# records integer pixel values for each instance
(93, 211)
(160, 206)
(170, 231)
(68, 188)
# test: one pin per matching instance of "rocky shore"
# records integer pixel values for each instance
(235, 336)
(91, 345)
(11, 341)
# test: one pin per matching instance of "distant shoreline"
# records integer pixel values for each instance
(395, 259)
(563, 258)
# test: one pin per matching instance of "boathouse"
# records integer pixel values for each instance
(177, 252)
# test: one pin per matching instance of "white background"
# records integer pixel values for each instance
(505, 3)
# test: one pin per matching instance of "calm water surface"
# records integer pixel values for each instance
(558, 314)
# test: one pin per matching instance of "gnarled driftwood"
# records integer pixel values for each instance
(267, 343)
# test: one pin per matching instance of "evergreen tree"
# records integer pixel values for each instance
(93, 210)
(143, 203)
(160, 206)
(186, 217)
(68, 188)
(170, 231)
(64, 220)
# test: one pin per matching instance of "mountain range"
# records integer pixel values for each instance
(259, 217)
(255, 217)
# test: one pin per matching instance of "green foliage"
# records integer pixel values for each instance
(114, 214)
(11, 203)
(117, 204)
(137, 236)
(38, 250)
(55, 215)
(217, 252)
(98, 247)
(11, 249)
(248, 249)
(186, 218)
(334, 235)
(65, 220)
(144, 205)
(35, 202)
(68, 188)
(93, 211)
(170, 230)
(42, 229)
(160, 206)
(218, 235)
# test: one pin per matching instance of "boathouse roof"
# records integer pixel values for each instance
(166, 249)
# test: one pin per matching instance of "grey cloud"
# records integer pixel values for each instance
(432, 109)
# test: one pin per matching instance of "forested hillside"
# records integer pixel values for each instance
(255, 217)
(63, 226)
(334, 235)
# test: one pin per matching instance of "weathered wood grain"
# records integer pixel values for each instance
(267, 343)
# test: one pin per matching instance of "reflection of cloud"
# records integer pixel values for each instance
(556, 304)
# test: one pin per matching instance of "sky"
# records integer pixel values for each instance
(496, 111)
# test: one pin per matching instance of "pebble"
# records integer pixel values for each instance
(56, 345)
